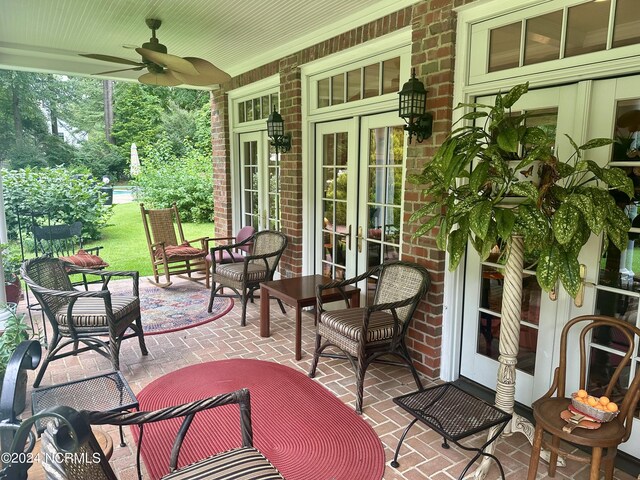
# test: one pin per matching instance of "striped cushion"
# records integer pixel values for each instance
(84, 259)
(240, 464)
(255, 271)
(348, 322)
(90, 312)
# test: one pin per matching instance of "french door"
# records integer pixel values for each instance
(612, 277)
(259, 181)
(359, 167)
(553, 110)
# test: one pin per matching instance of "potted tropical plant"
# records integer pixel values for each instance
(480, 189)
(11, 261)
(15, 332)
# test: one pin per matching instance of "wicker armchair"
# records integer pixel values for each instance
(171, 254)
(70, 432)
(244, 277)
(80, 318)
(364, 334)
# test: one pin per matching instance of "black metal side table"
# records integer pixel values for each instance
(108, 392)
(454, 414)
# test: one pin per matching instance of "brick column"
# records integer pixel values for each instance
(291, 166)
(433, 49)
(220, 155)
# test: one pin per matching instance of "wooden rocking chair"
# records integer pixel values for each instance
(171, 254)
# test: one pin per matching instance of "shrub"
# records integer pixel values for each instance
(186, 181)
(64, 195)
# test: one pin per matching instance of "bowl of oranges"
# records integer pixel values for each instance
(600, 409)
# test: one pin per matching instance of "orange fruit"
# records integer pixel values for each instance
(582, 394)
(603, 400)
(612, 407)
(592, 401)
(580, 399)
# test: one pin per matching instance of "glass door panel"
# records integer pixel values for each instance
(379, 220)
(335, 161)
(613, 276)
(259, 182)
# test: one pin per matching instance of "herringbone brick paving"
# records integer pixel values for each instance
(421, 456)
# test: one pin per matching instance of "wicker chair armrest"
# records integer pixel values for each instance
(107, 275)
(340, 284)
(75, 294)
(391, 305)
(93, 250)
(187, 410)
(217, 239)
(204, 241)
(264, 256)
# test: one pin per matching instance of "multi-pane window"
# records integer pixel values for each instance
(257, 108)
(366, 82)
(576, 30)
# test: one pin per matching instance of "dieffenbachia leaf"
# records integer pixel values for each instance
(565, 223)
(525, 189)
(584, 205)
(570, 273)
(479, 218)
(455, 247)
(596, 143)
(425, 227)
(617, 178)
(479, 176)
(548, 268)
(508, 140)
(505, 220)
(514, 95)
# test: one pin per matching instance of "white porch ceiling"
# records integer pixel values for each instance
(234, 35)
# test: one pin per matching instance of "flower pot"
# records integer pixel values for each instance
(13, 291)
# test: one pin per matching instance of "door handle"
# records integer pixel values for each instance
(579, 300)
(347, 236)
(360, 238)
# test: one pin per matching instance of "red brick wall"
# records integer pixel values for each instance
(433, 26)
(221, 164)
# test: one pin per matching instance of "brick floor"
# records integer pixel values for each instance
(421, 456)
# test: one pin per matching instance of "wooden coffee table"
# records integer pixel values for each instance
(299, 292)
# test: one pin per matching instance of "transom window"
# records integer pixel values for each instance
(256, 108)
(588, 27)
(365, 82)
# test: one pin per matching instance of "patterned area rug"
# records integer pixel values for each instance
(302, 428)
(178, 307)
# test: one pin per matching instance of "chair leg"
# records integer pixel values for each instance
(316, 357)
(596, 458)
(360, 372)
(114, 352)
(553, 456)
(55, 339)
(143, 346)
(212, 297)
(281, 306)
(609, 465)
(535, 453)
(407, 358)
(243, 299)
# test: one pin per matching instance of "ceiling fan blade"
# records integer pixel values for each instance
(109, 58)
(165, 79)
(173, 62)
(209, 74)
(120, 70)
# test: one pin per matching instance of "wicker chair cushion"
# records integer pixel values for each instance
(84, 259)
(90, 312)
(227, 257)
(240, 464)
(183, 251)
(235, 271)
(348, 323)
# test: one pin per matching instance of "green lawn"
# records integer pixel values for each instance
(124, 242)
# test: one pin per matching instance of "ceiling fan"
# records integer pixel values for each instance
(165, 69)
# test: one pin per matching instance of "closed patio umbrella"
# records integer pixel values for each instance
(134, 168)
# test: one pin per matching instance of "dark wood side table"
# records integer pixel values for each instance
(299, 292)
(454, 414)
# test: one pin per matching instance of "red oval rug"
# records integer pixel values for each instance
(302, 428)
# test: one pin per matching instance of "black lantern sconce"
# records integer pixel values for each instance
(275, 131)
(413, 109)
